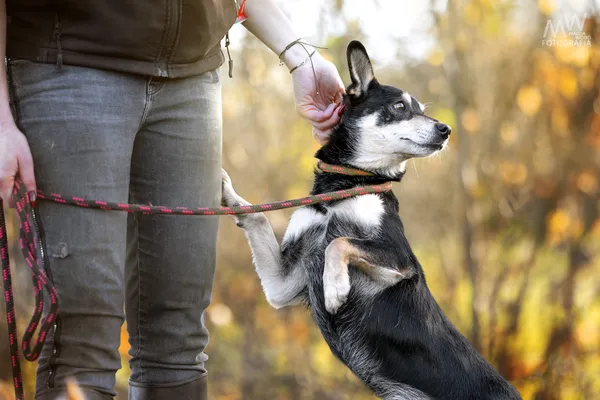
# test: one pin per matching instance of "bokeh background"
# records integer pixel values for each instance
(505, 221)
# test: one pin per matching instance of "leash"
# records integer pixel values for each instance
(33, 250)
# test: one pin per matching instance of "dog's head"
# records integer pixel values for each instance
(382, 126)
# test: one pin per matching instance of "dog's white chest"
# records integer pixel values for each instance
(302, 219)
(366, 210)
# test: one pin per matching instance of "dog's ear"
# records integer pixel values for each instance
(361, 70)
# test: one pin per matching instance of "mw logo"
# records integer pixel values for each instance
(565, 26)
(566, 31)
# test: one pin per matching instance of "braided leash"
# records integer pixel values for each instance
(33, 250)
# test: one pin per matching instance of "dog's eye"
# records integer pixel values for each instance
(400, 105)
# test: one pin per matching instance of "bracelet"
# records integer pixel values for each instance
(289, 46)
(309, 58)
(304, 62)
(301, 43)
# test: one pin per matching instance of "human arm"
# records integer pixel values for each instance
(15, 156)
(271, 26)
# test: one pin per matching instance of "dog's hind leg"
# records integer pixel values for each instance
(366, 255)
(282, 286)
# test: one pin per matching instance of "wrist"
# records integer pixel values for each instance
(6, 118)
(296, 54)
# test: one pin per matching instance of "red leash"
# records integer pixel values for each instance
(33, 250)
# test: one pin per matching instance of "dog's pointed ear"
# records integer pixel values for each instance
(361, 70)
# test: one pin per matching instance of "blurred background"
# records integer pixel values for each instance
(505, 222)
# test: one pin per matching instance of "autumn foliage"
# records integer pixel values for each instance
(506, 222)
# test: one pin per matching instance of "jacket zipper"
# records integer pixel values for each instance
(56, 35)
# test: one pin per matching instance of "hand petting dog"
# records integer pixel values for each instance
(322, 109)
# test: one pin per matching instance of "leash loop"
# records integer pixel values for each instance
(33, 251)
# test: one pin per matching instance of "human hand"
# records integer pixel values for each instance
(323, 110)
(15, 159)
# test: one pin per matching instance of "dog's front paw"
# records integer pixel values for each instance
(229, 198)
(336, 287)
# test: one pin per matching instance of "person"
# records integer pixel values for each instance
(121, 101)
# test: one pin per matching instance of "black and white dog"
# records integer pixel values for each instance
(351, 263)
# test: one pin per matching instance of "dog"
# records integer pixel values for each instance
(350, 262)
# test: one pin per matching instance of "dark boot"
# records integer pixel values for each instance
(194, 390)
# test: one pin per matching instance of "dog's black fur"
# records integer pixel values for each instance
(389, 331)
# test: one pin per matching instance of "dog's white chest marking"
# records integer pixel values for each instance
(363, 210)
(301, 220)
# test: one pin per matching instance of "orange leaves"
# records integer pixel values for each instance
(547, 7)
(470, 120)
(587, 182)
(529, 100)
(558, 221)
(578, 56)
(568, 83)
(124, 344)
(513, 173)
(299, 328)
(562, 225)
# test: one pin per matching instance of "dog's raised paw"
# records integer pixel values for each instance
(336, 288)
(225, 177)
(229, 198)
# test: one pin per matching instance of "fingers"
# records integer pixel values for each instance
(333, 121)
(322, 130)
(324, 120)
(6, 187)
(315, 115)
(25, 163)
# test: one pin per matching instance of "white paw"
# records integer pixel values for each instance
(336, 287)
(229, 198)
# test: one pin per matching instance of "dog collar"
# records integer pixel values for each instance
(340, 169)
(350, 171)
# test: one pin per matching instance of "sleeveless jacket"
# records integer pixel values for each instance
(166, 38)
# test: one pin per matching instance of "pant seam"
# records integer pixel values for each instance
(147, 105)
(154, 86)
(139, 310)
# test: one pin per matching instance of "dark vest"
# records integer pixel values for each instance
(167, 38)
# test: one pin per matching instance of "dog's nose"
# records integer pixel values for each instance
(443, 129)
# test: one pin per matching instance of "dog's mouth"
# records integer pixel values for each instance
(434, 146)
